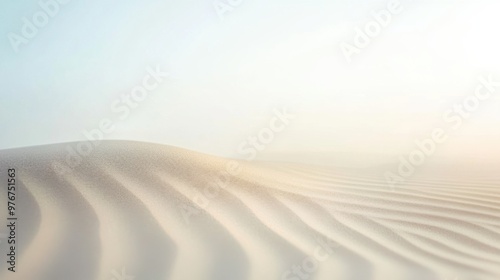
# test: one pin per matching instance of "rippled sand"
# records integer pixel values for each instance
(132, 208)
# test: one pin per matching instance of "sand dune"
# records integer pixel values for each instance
(156, 212)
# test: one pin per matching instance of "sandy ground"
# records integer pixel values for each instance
(159, 212)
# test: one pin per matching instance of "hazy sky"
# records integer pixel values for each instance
(227, 76)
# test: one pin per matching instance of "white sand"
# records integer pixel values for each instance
(121, 208)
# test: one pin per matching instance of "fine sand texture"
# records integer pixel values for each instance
(143, 211)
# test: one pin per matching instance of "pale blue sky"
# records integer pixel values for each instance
(228, 76)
